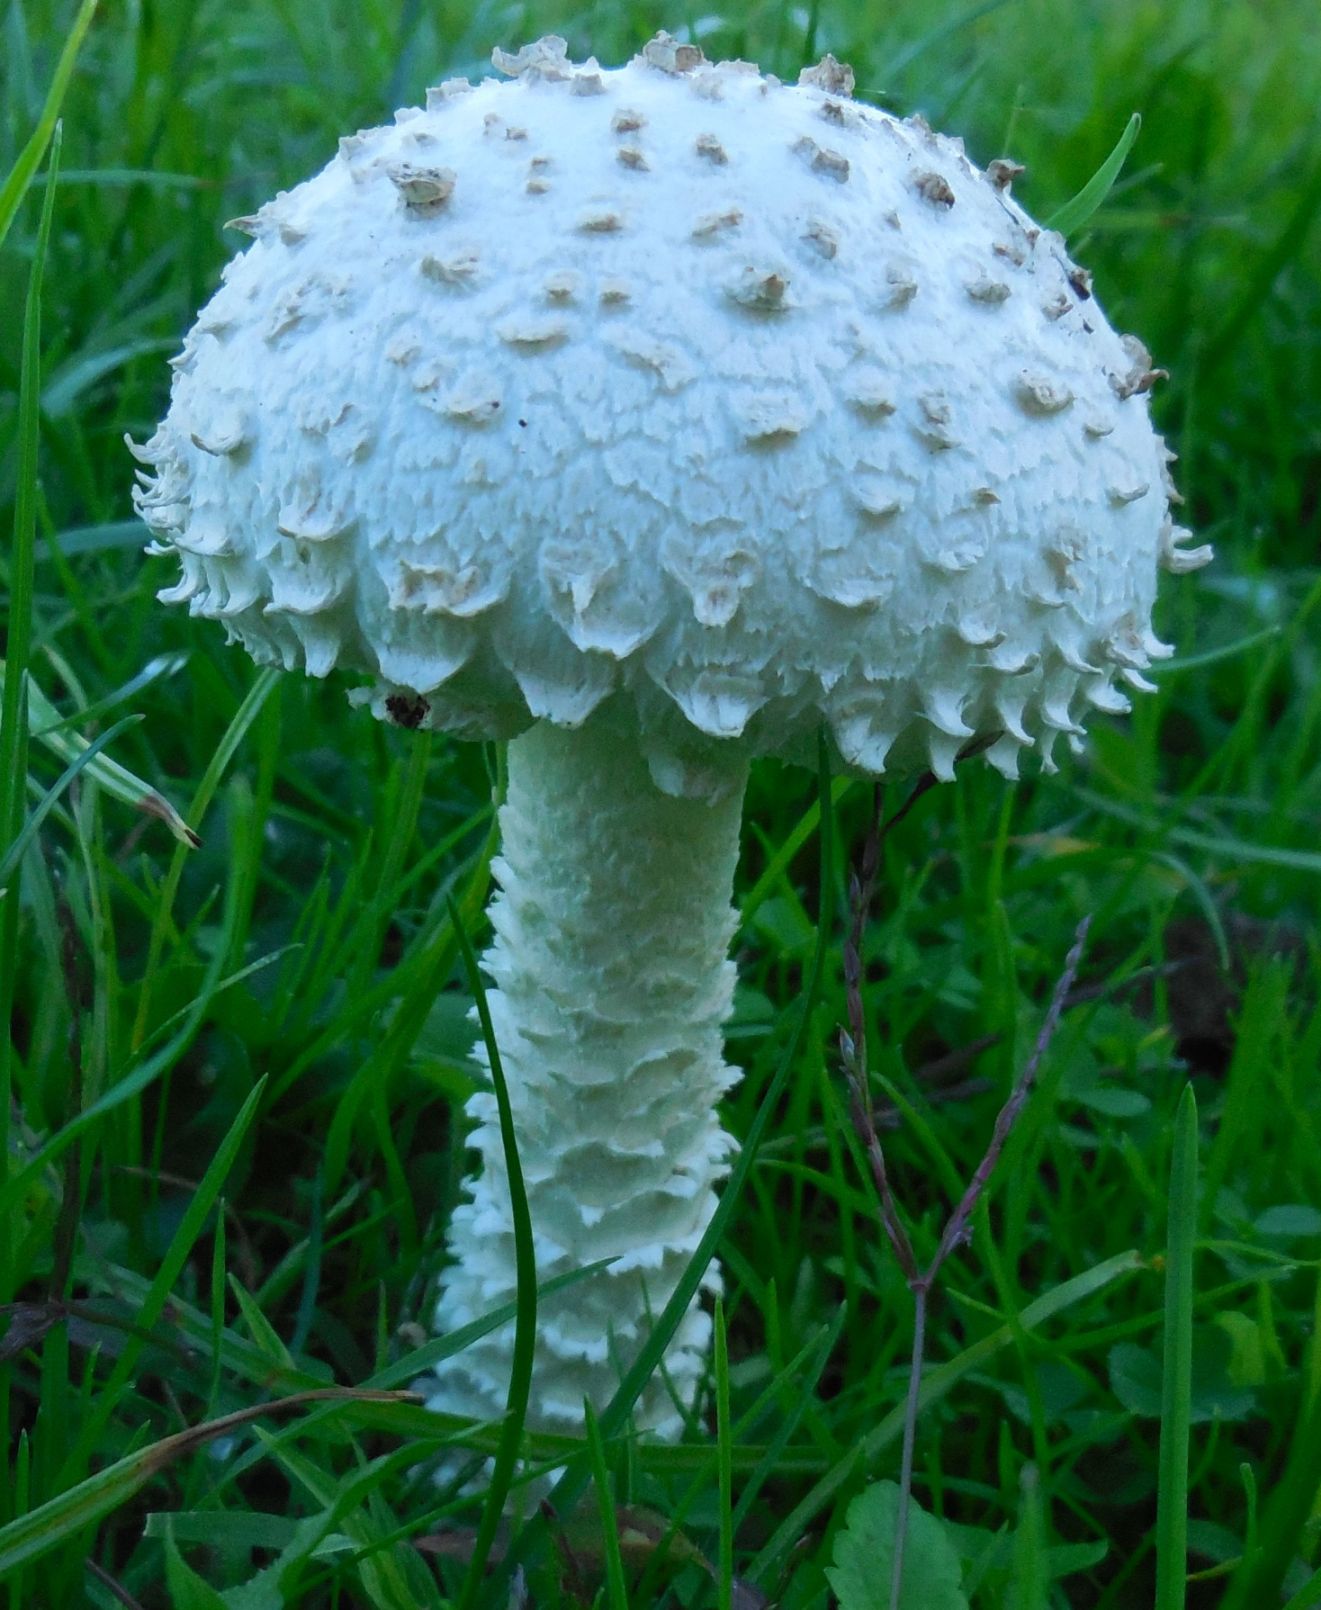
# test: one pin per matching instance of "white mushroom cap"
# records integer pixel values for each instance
(747, 404)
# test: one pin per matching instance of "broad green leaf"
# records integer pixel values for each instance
(1135, 1379)
(1113, 1101)
(1288, 1219)
(864, 1557)
(1066, 1559)
(222, 1528)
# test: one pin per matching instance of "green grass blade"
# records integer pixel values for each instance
(167, 1276)
(52, 729)
(805, 1370)
(45, 134)
(1308, 1596)
(1222, 846)
(1070, 218)
(1028, 1583)
(1214, 656)
(936, 1384)
(616, 1595)
(779, 863)
(1257, 284)
(1290, 1508)
(131, 1085)
(725, 1464)
(424, 1358)
(1177, 1382)
(63, 1517)
(263, 685)
(188, 1591)
(83, 761)
(931, 37)
(13, 702)
(525, 1281)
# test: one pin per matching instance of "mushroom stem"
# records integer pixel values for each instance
(612, 926)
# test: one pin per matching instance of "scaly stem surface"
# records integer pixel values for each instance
(612, 982)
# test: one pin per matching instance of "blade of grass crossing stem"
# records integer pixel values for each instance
(525, 1285)
(167, 1276)
(570, 1486)
(1070, 218)
(616, 1597)
(1177, 1375)
(725, 1463)
(46, 133)
(14, 706)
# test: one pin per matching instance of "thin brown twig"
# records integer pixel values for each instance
(956, 1229)
(956, 1233)
(864, 1126)
(111, 1586)
(853, 1051)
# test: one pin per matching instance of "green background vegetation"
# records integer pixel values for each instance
(231, 1144)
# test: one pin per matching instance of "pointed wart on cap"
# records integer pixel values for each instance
(669, 55)
(822, 160)
(424, 190)
(545, 59)
(1003, 171)
(834, 77)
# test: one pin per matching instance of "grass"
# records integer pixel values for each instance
(231, 1147)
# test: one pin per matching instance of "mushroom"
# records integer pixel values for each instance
(653, 457)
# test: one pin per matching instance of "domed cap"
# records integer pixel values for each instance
(745, 404)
